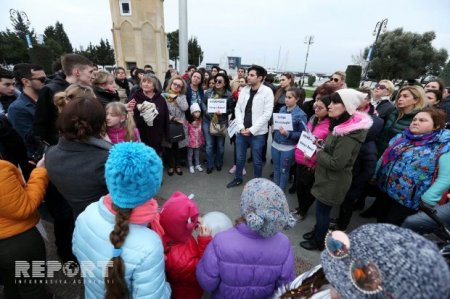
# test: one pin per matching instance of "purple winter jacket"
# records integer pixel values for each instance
(240, 263)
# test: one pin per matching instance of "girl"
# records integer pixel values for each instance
(284, 141)
(196, 139)
(333, 174)
(120, 125)
(319, 125)
(253, 258)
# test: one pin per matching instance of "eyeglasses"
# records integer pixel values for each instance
(177, 85)
(364, 274)
(40, 79)
(334, 79)
(218, 81)
(318, 108)
(380, 86)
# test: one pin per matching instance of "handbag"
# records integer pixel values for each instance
(176, 132)
(217, 129)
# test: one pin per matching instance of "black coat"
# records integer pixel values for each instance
(44, 126)
(384, 109)
(106, 97)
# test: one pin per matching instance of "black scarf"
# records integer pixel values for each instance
(124, 84)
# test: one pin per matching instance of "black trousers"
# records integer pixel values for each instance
(391, 211)
(304, 180)
(27, 246)
(173, 155)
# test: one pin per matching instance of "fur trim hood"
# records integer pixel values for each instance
(358, 121)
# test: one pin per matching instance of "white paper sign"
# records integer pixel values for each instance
(232, 128)
(217, 105)
(282, 120)
(306, 144)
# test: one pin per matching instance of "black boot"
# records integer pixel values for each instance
(312, 245)
(310, 235)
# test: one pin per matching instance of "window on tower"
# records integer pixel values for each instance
(125, 7)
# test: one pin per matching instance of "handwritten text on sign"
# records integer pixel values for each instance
(232, 128)
(306, 144)
(217, 105)
(282, 120)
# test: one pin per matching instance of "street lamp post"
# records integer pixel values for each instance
(381, 25)
(308, 40)
(15, 17)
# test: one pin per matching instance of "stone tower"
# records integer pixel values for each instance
(138, 33)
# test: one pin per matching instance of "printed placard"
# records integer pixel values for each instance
(306, 144)
(282, 120)
(217, 105)
(232, 128)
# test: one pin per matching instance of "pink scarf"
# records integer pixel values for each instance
(146, 213)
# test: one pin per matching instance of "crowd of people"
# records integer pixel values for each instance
(93, 146)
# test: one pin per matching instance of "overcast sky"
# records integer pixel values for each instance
(257, 29)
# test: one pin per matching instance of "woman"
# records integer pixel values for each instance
(104, 88)
(435, 84)
(194, 91)
(434, 97)
(19, 238)
(177, 104)
(286, 82)
(152, 122)
(333, 174)
(415, 168)
(139, 75)
(381, 100)
(206, 77)
(410, 99)
(122, 85)
(215, 144)
(76, 164)
(319, 125)
(115, 229)
(325, 89)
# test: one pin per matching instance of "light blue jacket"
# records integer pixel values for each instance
(143, 255)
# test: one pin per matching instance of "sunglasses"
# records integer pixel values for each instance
(40, 79)
(218, 81)
(334, 79)
(380, 86)
(177, 85)
(364, 274)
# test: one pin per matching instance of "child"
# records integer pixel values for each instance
(120, 125)
(179, 217)
(115, 229)
(252, 259)
(284, 141)
(196, 139)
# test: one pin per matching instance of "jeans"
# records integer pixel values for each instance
(193, 156)
(215, 147)
(322, 221)
(256, 144)
(282, 161)
(422, 223)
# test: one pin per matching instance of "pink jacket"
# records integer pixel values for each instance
(195, 135)
(117, 135)
(321, 131)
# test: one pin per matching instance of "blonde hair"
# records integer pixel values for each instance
(390, 86)
(118, 108)
(102, 78)
(183, 88)
(417, 93)
(341, 74)
(74, 91)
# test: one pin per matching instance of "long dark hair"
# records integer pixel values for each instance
(326, 100)
(116, 286)
(336, 99)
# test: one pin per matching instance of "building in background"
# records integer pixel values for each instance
(139, 35)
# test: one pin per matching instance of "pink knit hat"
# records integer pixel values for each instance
(179, 216)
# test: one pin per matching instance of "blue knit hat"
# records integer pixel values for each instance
(264, 206)
(133, 174)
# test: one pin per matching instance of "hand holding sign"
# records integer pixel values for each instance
(217, 105)
(283, 120)
(306, 144)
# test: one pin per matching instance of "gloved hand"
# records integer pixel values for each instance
(148, 112)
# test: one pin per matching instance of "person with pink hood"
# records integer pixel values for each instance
(179, 217)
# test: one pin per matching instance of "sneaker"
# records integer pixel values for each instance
(191, 169)
(234, 183)
(199, 168)
(232, 169)
(244, 172)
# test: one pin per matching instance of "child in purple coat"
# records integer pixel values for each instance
(253, 258)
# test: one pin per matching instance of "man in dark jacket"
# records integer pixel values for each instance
(77, 69)
(7, 90)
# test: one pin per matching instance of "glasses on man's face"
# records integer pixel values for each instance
(40, 79)
(334, 79)
(177, 85)
(380, 86)
(364, 274)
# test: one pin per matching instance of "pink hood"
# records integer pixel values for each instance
(358, 121)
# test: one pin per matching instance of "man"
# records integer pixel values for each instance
(381, 101)
(338, 80)
(235, 83)
(77, 69)
(253, 111)
(148, 69)
(214, 71)
(7, 90)
(31, 77)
